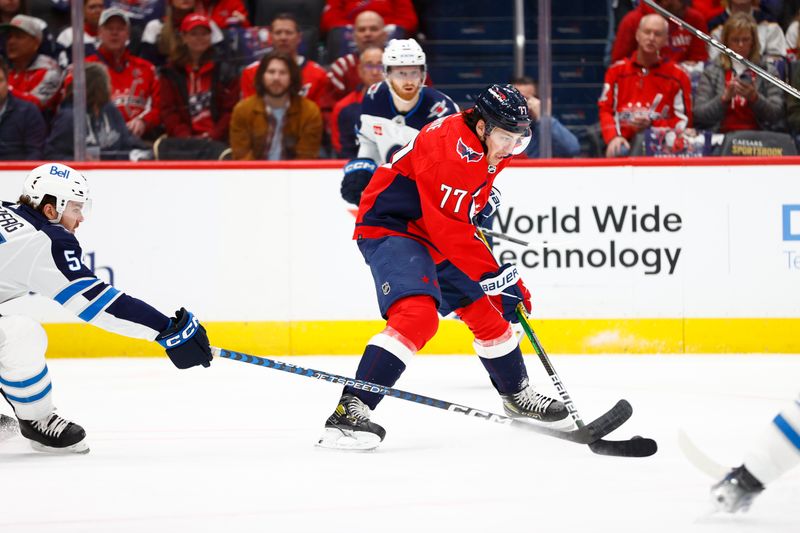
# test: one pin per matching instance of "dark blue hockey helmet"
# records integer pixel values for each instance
(504, 107)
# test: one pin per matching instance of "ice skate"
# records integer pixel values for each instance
(736, 491)
(53, 434)
(528, 403)
(8, 427)
(349, 427)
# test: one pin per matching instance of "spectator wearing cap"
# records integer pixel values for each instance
(224, 13)
(286, 38)
(134, 82)
(11, 8)
(32, 76)
(161, 37)
(198, 92)
(22, 128)
(346, 113)
(91, 20)
(643, 90)
(276, 123)
(565, 144)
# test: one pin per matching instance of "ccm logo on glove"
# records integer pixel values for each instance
(495, 285)
(182, 336)
(360, 164)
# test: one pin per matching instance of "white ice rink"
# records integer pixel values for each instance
(231, 449)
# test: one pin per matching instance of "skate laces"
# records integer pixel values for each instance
(531, 400)
(51, 426)
(356, 409)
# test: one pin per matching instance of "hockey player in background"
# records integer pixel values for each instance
(39, 253)
(415, 229)
(777, 451)
(393, 111)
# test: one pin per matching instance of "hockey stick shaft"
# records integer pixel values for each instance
(503, 236)
(724, 49)
(603, 425)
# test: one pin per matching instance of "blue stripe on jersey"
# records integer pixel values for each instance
(31, 399)
(94, 309)
(788, 430)
(72, 289)
(25, 383)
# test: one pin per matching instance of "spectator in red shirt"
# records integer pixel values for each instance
(340, 13)
(197, 92)
(643, 90)
(347, 111)
(708, 8)
(286, 38)
(368, 31)
(134, 83)
(224, 12)
(730, 97)
(681, 46)
(33, 77)
(160, 36)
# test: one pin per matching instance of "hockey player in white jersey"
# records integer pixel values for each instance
(39, 253)
(392, 113)
(776, 451)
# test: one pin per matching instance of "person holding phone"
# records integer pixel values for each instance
(730, 97)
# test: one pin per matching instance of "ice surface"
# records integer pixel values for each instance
(231, 449)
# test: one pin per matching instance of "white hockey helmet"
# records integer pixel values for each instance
(403, 53)
(60, 181)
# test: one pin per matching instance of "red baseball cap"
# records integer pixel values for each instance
(193, 21)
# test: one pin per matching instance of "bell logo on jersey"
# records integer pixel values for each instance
(467, 153)
(439, 109)
(55, 171)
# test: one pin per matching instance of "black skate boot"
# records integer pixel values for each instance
(528, 403)
(54, 434)
(349, 427)
(736, 491)
(8, 427)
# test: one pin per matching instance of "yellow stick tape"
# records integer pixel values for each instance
(561, 336)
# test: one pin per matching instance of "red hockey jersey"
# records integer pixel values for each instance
(430, 192)
(663, 93)
(681, 46)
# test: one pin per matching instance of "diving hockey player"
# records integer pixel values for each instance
(415, 230)
(39, 253)
(393, 111)
(776, 452)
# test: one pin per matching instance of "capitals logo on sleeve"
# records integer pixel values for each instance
(467, 153)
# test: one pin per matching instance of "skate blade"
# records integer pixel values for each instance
(344, 439)
(79, 447)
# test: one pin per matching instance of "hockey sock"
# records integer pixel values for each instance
(508, 372)
(777, 448)
(377, 365)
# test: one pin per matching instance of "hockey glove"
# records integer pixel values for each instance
(186, 341)
(506, 290)
(357, 173)
(483, 217)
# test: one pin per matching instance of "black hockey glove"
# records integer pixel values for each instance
(357, 173)
(186, 341)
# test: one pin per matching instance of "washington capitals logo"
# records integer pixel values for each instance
(468, 153)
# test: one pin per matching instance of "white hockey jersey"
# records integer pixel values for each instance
(383, 130)
(38, 256)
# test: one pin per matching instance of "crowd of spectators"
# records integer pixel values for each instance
(663, 77)
(192, 79)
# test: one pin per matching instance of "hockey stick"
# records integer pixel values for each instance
(724, 49)
(699, 459)
(635, 447)
(503, 236)
(611, 420)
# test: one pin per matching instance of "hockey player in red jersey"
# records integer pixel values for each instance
(415, 229)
